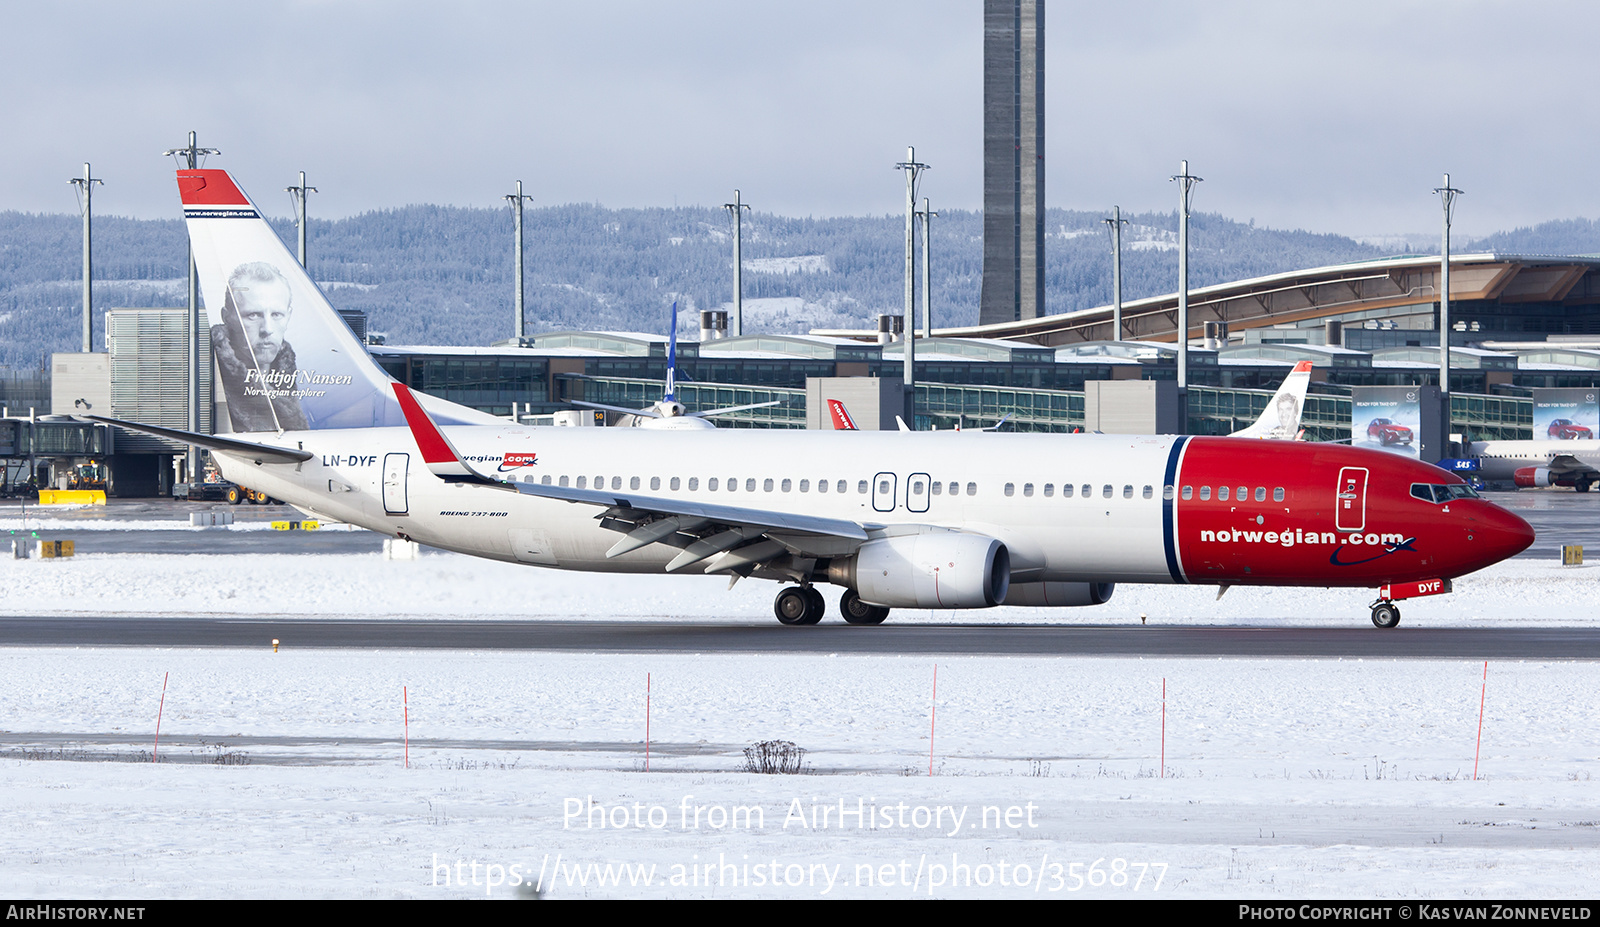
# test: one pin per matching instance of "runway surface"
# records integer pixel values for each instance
(667, 637)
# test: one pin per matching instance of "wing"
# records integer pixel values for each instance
(725, 538)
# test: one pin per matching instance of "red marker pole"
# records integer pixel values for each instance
(1163, 727)
(933, 716)
(159, 710)
(405, 704)
(646, 722)
(1481, 696)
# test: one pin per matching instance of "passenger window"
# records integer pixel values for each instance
(1087, 490)
(883, 487)
(733, 484)
(1261, 493)
(711, 484)
(1011, 489)
(1049, 490)
(655, 483)
(582, 482)
(766, 485)
(805, 485)
(750, 485)
(546, 480)
(676, 482)
(938, 487)
(1027, 490)
(1066, 490)
(955, 488)
(788, 485)
(633, 483)
(916, 488)
(1169, 492)
(822, 485)
(1205, 493)
(1107, 490)
(1127, 492)
(972, 489)
(1277, 494)
(694, 484)
(861, 487)
(1188, 493)
(1244, 493)
(1150, 493)
(1222, 493)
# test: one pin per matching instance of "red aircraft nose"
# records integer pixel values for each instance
(1494, 534)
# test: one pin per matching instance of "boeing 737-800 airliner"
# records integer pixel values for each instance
(924, 520)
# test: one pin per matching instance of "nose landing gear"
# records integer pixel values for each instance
(1385, 615)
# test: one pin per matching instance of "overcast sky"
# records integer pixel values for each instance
(1336, 116)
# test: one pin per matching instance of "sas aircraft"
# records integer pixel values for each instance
(894, 519)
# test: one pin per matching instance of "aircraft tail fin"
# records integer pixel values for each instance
(284, 359)
(841, 416)
(1281, 419)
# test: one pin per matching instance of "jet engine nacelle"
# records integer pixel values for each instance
(1060, 595)
(947, 569)
(1528, 477)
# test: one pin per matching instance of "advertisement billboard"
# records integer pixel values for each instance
(1397, 419)
(1566, 414)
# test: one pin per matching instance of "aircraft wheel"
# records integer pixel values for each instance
(793, 606)
(1385, 615)
(856, 611)
(819, 605)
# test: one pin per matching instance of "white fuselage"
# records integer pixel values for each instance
(1499, 460)
(1005, 486)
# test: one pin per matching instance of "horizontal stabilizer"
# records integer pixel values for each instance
(259, 453)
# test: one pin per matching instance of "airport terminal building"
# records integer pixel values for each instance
(1520, 323)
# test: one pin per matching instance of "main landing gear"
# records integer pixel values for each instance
(1385, 615)
(856, 611)
(798, 605)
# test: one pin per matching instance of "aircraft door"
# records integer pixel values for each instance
(394, 483)
(917, 492)
(883, 492)
(1350, 513)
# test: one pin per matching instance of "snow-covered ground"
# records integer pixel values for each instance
(284, 772)
(1523, 593)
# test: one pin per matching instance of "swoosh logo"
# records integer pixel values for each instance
(1391, 549)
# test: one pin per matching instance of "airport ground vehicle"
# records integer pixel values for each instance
(897, 519)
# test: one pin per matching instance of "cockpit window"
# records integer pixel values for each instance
(1436, 492)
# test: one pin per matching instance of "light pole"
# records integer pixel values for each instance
(85, 185)
(738, 209)
(1116, 222)
(517, 199)
(1447, 199)
(927, 215)
(1186, 182)
(190, 157)
(298, 194)
(913, 168)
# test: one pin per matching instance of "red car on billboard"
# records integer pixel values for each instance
(1387, 432)
(1565, 429)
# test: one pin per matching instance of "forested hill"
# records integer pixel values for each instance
(443, 275)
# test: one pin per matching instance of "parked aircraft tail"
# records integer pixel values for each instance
(1281, 419)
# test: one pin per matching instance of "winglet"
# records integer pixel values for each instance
(438, 453)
